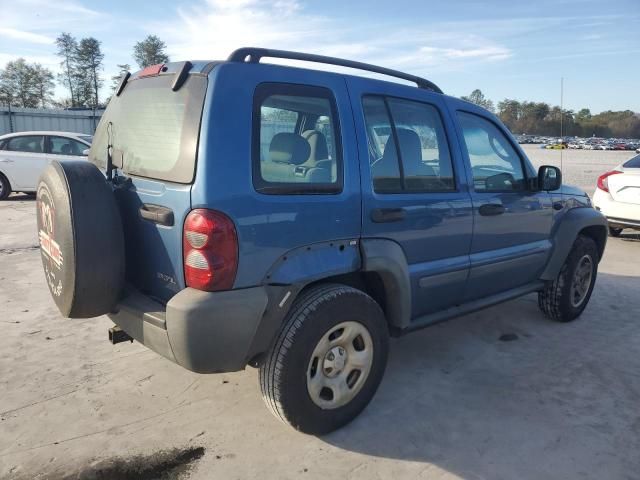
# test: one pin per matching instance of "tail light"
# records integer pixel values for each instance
(210, 249)
(603, 183)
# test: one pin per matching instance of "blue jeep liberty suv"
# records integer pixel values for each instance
(240, 213)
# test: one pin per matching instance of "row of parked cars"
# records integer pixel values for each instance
(576, 143)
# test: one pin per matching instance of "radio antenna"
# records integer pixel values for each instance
(561, 118)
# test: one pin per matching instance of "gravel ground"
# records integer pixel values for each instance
(560, 401)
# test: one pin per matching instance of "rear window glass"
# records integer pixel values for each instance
(633, 163)
(153, 130)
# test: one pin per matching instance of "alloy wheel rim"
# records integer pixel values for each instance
(581, 282)
(339, 365)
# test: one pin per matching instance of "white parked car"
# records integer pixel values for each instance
(24, 155)
(618, 196)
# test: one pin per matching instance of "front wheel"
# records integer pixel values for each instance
(567, 296)
(328, 360)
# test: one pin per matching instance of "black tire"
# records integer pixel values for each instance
(615, 231)
(283, 376)
(81, 239)
(555, 300)
(5, 187)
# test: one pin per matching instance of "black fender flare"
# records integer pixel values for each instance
(387, 259)
(565, 233)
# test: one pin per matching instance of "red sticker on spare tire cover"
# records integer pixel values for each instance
(52, 258)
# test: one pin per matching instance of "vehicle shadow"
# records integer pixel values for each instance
(630, 237)
(559, 401)
(20, 197)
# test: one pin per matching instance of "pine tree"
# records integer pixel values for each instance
(89, 63)
(67, 51)
(150, 51)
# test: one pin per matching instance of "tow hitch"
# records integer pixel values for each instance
(117, 335)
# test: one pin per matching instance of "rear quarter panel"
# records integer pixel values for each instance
(269, 226)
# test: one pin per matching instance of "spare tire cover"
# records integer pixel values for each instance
(81, 239)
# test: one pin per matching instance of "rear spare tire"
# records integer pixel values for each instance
(81, 239)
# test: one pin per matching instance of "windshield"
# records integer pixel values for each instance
(86, 138)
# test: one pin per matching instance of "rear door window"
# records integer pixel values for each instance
(408, 149)
(26, 143)
(153, 130)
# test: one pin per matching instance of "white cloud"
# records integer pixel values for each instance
(15, 34)
(491, 53)
(49, 61)
(214, 28)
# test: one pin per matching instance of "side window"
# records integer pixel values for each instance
(29, 144)
(420, 162)
(383, 158)
(66, 146)
(496, 166)
(424, 151)
(296, 144)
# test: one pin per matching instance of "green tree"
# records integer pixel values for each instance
(583, 115)
(68, 51)
(150, 51)
(122, 70)
(478, 98)
(43, 84)
(89, 58)
(509, 113)
(26, 85)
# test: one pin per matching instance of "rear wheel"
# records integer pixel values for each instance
(615, 231)
(567, 296)
(5, 187)
(328, 361)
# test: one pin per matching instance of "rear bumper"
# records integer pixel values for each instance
(617, 213)
(204, 332)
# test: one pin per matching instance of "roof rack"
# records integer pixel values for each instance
(253, 55)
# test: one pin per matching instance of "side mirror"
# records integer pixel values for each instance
(549, 178)
(85, 152)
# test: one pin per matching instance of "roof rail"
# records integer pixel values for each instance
(253, 55)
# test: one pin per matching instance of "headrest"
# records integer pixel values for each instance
(410, 146)
(289, 148)
(318, 143)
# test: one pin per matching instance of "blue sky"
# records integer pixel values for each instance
(508, 49)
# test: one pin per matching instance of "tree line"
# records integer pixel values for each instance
(24, 84)
(540, 118)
